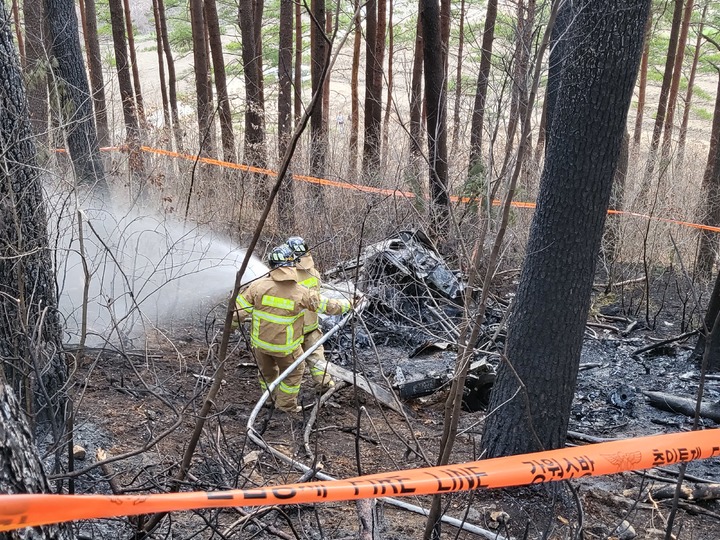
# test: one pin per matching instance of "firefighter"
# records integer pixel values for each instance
(277, 304)
(308, 276)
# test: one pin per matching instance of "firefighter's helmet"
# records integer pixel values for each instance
(298, 246)
(281, 256)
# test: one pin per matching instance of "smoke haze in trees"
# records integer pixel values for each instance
(145, 271)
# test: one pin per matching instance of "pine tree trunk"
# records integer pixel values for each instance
(326, 84)
(298, 63)
(94, 59)
(18, 32)
(458, 81)
(675, 83)
(216, 49)
(172, 79)
(711, 314)
(161, 67)
(30, 327)
(354, 94)
(75, 94)
(134, 63)
(286, 197)
(642, 85)
(413, 174)
(436, 103)
(690, 87)
(318, 131)
(36, 70)
(537, 376)
(478, 115)
(206, 128)
(389, 102)
(662, 105)
(372, 117)
(709, 213)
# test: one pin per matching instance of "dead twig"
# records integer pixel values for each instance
(652, 346)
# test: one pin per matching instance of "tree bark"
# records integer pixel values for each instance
(662, 103)
(711, 314)
(642, 85)
(675, 82)
(326, 83)
(75, 94)
(286, 198)
(216, 48)
(94, 59)
(133, 63)
(354, 94)
(298, 62)
(318, 130)
(172, 79)
(30, 328)
(255, 149)
(206, 128)
(478, 115)
(416, 91)
(536, 379)
(709, 212)
(161, 66)
(18, 31)
(127, 96)
(373, 97)
(36, 70)
(458, 80)
(436, 103)
(690, 88)
(389, 102)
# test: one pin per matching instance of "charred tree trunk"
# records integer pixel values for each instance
(37, 68)
(216, 49)
(172, 79)
(94, 59)
(532, 395)
(662, 104)
(478, 115)
(133, 63)
(611, 238)
(30, 327)
(642, 85)
(206, 128)
(709, 213)
(436, 103)
(713, 310)
(675, 83)
(286, 198)
(318, 130)
(75, 94)
(690, 87)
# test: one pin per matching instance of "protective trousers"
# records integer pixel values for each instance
(320, 377)
(270, 367)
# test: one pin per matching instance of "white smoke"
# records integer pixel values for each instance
(144, 272)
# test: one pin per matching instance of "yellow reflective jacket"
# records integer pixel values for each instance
(277, 304)
(308, 276)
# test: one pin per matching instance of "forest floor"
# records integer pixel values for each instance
(124, 401)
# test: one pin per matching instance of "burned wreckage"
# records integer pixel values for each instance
(415, 304)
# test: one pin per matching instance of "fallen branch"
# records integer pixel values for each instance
(652, 346)
(705, 492)
(686, 406)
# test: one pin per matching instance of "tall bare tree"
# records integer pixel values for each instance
(286, 197)
(373, 93)
(140, 107)
(216, 48)
(537, 376)
(662, 102)
(389, 78)
(172, 79)
(255, 146)
(458, 79)
(297, 72)
(122, 65)
(642, 83)
(94, 60)
(436, 103)
(354, 93)
(478, 115)
(319, 142)
(167, 122)
(690, 87)
(206, 126)
(71, 79)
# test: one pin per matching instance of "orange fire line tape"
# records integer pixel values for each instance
(378, 191)
(17, 511)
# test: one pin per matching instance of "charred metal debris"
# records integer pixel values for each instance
(415, 304)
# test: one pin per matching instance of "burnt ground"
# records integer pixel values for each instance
(126, 402)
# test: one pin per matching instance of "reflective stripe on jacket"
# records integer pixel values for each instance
(278, 304)
(308, 276)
